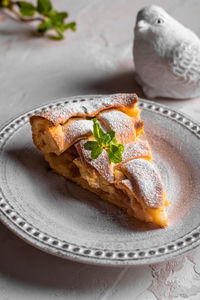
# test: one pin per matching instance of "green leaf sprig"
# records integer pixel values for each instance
(43, 12)
(104, 140)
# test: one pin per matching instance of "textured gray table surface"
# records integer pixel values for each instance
(95, 59)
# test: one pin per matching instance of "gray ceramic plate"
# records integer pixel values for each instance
(61, 218)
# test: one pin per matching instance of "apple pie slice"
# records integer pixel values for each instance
(133, 183)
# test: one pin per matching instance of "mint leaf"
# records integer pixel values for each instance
(108, 137)
(71, 26)
(60, 17)
(48, 17)
(44, 26)
(111, 134)
(114, 141)
(44, 6)
(59, 32)
(52, 13)
(115, 153)
(104, 140)
(98, 132)
(57, 18)
(96, 152)
(121, 148)
(90, 145)
(26, 9)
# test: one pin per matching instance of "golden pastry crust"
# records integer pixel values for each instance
(57, 129)
(146, 182)
(121, 123)
(101, 164)
(91, 108)
(137, 149)
(133, 184)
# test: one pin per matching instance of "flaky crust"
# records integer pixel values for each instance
(61, 134)
(90, 108)
(60, 128)
(146, 182)
(101, 164)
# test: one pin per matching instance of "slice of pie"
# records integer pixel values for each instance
(134, 184)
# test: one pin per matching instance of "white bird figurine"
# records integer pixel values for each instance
(166, 55)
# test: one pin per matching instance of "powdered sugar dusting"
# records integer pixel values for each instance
(101, 164)
(139, 149)
(146, 181)
(121, 123)
(89, 108)
(76, 130)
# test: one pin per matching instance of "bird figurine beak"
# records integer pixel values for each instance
(142, 26)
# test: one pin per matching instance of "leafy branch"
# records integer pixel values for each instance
(104, 140)
(43, 12)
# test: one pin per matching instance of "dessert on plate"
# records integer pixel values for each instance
(100, 145)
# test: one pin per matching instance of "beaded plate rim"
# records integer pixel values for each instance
(52, 245)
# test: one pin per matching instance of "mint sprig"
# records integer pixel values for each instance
(104, 140)
(49, 18)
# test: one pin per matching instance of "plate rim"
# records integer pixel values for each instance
(50, 244)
